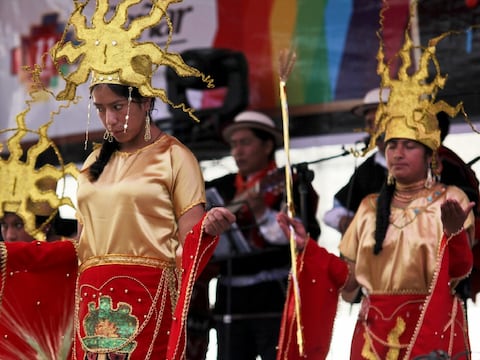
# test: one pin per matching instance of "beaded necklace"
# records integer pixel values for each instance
(405, 194)
(408, 211)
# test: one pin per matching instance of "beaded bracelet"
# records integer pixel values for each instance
(458, 232)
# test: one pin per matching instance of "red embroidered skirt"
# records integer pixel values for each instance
(386, 328)
(124, 310)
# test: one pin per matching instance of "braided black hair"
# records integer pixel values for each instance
(383, 215)
(108, 148)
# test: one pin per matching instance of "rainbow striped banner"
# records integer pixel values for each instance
(335, 41)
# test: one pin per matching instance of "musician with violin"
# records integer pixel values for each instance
(251, 285)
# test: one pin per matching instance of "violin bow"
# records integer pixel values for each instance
(287, 61)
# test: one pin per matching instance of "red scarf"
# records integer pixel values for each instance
(245, 218)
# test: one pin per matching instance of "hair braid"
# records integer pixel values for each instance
(96, 169)
(383, 215)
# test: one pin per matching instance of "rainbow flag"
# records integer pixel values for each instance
(335, 42)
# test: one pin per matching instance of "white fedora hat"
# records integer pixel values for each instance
(371, 101)
(253, 120)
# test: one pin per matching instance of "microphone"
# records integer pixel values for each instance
(345, 151)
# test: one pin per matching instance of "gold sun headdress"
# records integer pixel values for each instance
(109, 52)
(411, 110)
(26, 190)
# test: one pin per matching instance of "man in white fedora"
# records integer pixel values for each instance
(252, 284)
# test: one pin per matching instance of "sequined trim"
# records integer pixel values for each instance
(452, 312)
(109, 328)
(125, 260)
(3, 269)
(400, 292)
(196, 258)
(192, 205)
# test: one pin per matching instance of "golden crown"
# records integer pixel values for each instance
(109, 52)
(411, 109)
(26, 190)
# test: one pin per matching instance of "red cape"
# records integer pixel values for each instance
(321, 276)
(197, 251)
(38, 296)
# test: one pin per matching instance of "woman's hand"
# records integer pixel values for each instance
(218, 220)
(453, 216)
(301, 236)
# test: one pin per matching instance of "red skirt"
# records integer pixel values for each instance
(386, 326)
(124, 311)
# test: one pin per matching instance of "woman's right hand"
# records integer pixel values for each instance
(286, 223)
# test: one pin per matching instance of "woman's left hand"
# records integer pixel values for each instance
(453, 216)
(218, 220)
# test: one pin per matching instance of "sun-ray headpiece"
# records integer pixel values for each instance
(28, 190)
(110, 52)
(411, 110)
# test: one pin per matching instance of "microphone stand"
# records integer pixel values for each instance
(345, 152)
(304, 178)
(473, 161)
(227, 318)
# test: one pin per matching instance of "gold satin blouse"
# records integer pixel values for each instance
(133, 207)
(407, 261)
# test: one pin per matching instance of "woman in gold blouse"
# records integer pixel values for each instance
(140, 204)
(406, 248)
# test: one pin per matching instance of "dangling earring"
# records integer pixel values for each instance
(148, 135)
(89, 109)
(107, 135)
(390, 179)
(125, 126)
(430, 181)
